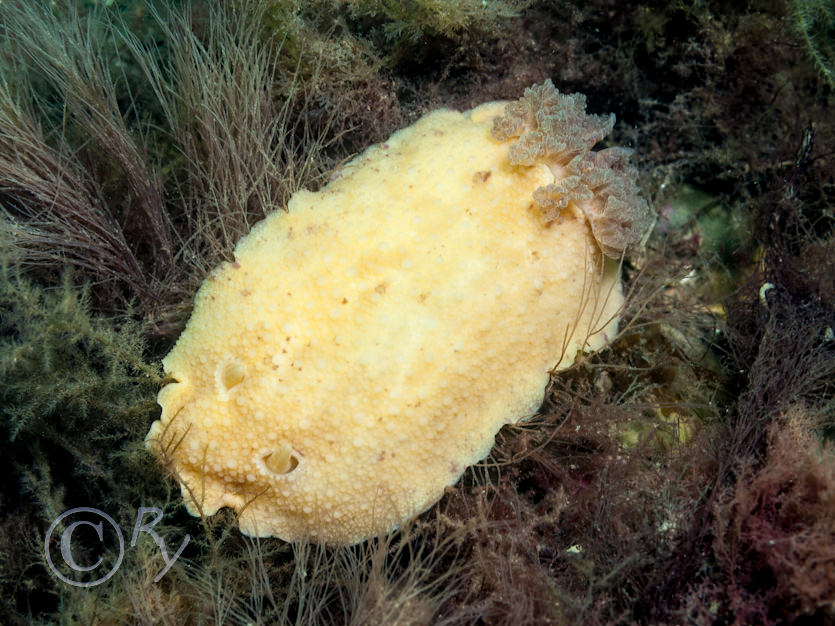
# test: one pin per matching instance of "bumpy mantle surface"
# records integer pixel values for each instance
(366, 345)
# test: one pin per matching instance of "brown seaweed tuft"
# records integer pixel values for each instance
(776, 529)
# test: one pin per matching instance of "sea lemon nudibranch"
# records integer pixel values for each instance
(367, 344)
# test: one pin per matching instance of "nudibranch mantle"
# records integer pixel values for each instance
(367, 344)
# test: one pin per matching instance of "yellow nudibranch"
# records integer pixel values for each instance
(367, 344)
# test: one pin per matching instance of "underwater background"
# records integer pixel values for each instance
(685, 474)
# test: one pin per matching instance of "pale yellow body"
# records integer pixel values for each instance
(368, 343)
